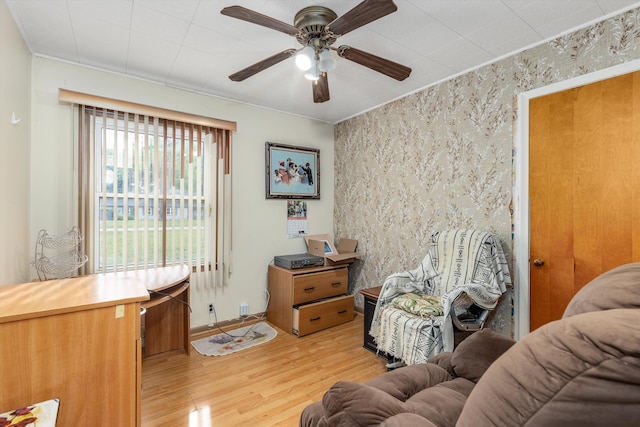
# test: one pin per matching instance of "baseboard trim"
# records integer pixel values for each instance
(249, 320)
(230, 324)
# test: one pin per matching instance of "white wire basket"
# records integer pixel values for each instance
(62, 264)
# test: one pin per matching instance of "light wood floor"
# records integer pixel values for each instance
(267, 385)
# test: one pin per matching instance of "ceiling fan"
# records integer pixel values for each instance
(317, 28)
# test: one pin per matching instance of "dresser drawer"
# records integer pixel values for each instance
(316, 286)
(313, 317)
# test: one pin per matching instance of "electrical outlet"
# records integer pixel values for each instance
(244, 310)
(211, 316)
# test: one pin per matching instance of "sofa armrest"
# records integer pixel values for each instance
(583, 370)
(474, 355)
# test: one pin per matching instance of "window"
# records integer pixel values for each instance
(172, 180)
(145, 162)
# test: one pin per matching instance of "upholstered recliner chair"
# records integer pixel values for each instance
(582, 370)
(464, 273)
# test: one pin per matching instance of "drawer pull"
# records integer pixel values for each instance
(313, 319)
(342, 311)
(336, 284)
(309, 289)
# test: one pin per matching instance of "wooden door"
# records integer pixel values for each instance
(584, 187)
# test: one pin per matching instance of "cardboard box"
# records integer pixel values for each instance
(344, 253)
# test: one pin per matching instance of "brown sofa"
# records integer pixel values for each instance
(582, 370)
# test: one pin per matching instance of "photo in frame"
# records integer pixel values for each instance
(292, 172)
(329, 248)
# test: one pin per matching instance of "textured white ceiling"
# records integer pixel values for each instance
(189, 44)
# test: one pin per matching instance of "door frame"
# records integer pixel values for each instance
(521, 184)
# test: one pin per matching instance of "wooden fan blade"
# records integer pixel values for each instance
(249, 15)
(362, 14)
(321, 89)
(381, 65)
(262, 65)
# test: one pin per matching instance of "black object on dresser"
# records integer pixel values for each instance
(370, 300)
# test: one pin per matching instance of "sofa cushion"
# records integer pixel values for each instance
(476, 353)
(617, 288)
(406, 419)
(350, 403)
(442, 403)
(313, 415)
(583, 370)
(404, 383)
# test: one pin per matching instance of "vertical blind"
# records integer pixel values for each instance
(154, 192)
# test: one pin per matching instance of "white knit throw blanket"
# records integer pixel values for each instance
(458, 261)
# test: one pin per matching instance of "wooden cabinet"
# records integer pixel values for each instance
(370, 300)
(77, 340)
(371, 296)
(308, 300)
(166, 324)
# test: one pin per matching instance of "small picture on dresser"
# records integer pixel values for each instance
(329, 248)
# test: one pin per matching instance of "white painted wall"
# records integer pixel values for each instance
(259, 225)
(15, 76)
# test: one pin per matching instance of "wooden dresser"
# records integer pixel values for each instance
(308, 300)
(77, 340)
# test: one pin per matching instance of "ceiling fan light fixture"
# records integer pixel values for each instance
(313, 76)
(316, 29)
(305, 58)
(314, 73)
(327, 61)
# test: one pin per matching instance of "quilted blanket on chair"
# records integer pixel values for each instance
(458, 261)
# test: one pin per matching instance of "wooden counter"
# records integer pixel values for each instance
(39, 299)
(167, 322)
(77, 340)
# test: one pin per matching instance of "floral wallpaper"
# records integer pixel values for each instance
(442, 158)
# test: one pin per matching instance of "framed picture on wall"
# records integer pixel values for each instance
(292, 172)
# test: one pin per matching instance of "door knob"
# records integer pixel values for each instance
(538, 262)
